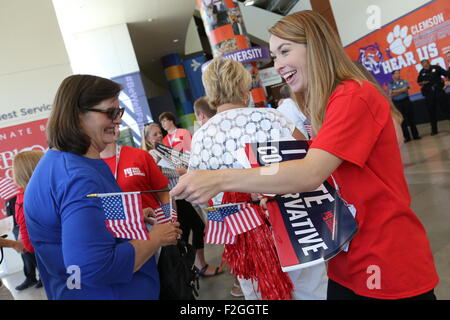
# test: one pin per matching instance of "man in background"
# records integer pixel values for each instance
(431, 81)
(398, 90)
(203, 111)
(176, 138)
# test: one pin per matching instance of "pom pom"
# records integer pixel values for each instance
(253, 256)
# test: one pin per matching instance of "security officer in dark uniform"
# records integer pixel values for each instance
(447, 56)
(398, 90)
(432, 87)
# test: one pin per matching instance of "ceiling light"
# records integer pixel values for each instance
(249, 2)
(175, 40)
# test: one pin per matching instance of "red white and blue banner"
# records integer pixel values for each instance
(310, 227)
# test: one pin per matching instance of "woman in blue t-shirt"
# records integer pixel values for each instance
(78, 257)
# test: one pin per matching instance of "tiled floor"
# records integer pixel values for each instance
(427, 170)
(211, 288)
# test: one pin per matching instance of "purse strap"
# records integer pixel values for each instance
(1, 251)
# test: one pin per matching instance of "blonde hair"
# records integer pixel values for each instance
(328, 63)
(23, 166)
(145, 145)
(226, 81)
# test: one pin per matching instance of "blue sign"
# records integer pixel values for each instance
(192, 67)
(134, 100)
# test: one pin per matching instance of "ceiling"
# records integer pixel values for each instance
(152, 39)
(276, 6)
(153, 26)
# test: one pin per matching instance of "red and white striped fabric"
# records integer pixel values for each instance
(123, 216)
(8, 188)
(217, 231)
(240, 218)
(165, 214)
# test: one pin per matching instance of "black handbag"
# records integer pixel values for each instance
(177, 272)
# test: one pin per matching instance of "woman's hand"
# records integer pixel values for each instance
(198, 186)
(149, 215)
(160, 235)
(181, 171)
(446, 84)
(166, 233)
(263, 203)
(18, 246)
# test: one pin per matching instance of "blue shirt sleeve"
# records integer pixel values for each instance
(86, 242)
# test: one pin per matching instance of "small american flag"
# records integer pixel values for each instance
(8, 188)
(217, 231)
(123, 216)
(165, 214)
(240, 218)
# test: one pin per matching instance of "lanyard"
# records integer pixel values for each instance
(118, 148)
(172, 140)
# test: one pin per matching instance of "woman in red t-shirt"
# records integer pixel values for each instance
(135, 170)
(390, 256)
(24, 164)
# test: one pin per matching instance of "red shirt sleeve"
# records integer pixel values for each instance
(20, 218)
(354, 119)
(187, 140)
(157, 179)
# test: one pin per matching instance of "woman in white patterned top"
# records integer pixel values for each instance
(214, 146)
(188, 217)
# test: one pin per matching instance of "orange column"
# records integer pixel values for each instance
(227, 34)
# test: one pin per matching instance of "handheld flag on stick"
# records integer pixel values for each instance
(240, 218)
(217, 231)
(101, 195)
(226, 221)
(123, 216)
(166, 213)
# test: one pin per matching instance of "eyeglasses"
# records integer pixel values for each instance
(111, 113)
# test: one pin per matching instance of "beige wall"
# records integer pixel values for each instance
(33, 60)
(351, 16)
(192, 43)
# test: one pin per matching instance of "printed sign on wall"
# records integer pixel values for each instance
(403, 43)
(14, 139)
